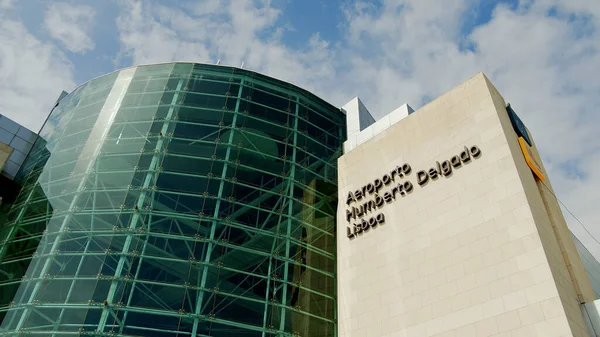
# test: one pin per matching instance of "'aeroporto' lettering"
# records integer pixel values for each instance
(378, 184)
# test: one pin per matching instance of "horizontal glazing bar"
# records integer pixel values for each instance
(231, 223)
(169, 313)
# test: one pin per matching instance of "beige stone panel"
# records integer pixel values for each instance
(532, 259)
(487, 228)
(500, 287)
(555, 327)
(448, 289)
(526, 331)
(498, 239)
(460, 254)
(479, 295)
(502, 334)
(507, 268)
(358, 333)
(443, 308)
(513, 249)
(396, 309)
(418, 286)
(437, 279)
(479, 246)
(552, 308)
(446, 334)
(473, 265)
(531, 314)
(486, 327)
(541, 273)
(389, 326)
(466, 283)
(415, 331)
(374, 330)
(515, 300)
(522, 280)
(492, 257)
(423, 314)
(486, 275)
(455, 320)
(541, 291)
(455, 272)
(508, 321)
(431, 296)
(466, 331)
(493, 308)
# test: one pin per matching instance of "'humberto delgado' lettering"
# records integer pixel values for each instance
(403, 188)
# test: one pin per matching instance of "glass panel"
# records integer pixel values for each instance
(9, 125)
(5, 136)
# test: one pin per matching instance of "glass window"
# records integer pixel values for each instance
(26, 135)
(17, 157)
(5, 136)
(9, 125)
(20, 145)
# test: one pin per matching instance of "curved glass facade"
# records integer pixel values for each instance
(177, 200)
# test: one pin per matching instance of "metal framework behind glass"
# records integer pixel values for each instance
(177, 199)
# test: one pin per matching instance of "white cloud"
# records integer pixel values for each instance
(70, 25)
(6, 4)
(32, 75)
(543, 65)
(148, 40)
(226, 30)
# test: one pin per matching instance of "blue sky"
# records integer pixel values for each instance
(300, 21)
(542, 55)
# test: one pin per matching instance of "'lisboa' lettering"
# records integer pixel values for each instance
(365, 225)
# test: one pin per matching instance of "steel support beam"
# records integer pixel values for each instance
(291, 179)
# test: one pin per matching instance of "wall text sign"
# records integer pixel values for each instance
(365, 202)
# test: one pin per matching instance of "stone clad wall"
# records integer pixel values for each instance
(461, 255)
(566, 265)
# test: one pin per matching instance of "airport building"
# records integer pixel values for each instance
(185, 199)
(448, 226)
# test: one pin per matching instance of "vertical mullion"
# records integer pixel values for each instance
(267, 292)
(211, 244)
(291, 180)
(139, 266)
